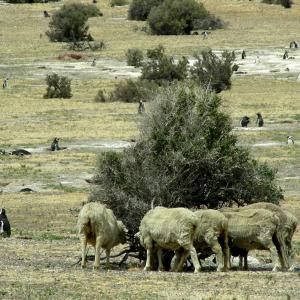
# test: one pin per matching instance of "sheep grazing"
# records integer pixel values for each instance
(287, 226)
(212, 234)
(98, 226)
(5, 230)
(172, 229)
(290, 228)
(250, 229)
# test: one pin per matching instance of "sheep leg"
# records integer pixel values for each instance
(83, 241)
(275, 256)
(245, 258)
(97, 253)
(160, 263)
(241, 262)
(148, 262)
(181, 258)
(195, 260)
(178, 254)
(216, 248)
(107, 251)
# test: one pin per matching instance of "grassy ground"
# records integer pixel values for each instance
(37, 262)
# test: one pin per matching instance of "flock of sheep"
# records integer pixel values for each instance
(224, 232)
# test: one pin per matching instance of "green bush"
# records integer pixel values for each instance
(118, 2)
(58, 87)
(176, 17)
(161, 67)
(140, 9)
(213, 72)
(186, 156)
(284, 3)
(133, 90)
(69, 23)
(134, 57)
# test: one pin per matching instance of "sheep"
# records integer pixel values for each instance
(212, 233)
(98, 226)
(5, 229)
(172, 229)
(286, 229)
(289, 230)
(250, 229)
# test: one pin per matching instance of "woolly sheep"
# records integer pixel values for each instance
(212, 233)
(172, 229)
(286, 229)
(98, 226)
(255, 229)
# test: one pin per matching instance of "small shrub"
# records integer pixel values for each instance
(134, 57)
(284, 3)
(118, 2)
(58, 86)
(176, 17)
(161, 67)
(133, 90)
(101, 96)
(140, 9)
(213, 72)
(69, 23)
(211, 22)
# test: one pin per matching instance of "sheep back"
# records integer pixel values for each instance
(170, 228)
(96, 220)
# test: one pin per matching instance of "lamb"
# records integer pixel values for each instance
(98, 226)
(250, 229)
(169, 228)
(5, 229)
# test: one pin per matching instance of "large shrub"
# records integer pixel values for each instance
(58, 86)
(176, 16)
(140, 9)
(69, 24)
(284, 3)
(213, 72)
(187, 156)
(161, 67)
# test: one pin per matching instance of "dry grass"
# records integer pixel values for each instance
(36, 263)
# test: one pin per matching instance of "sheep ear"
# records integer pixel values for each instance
(121, 224)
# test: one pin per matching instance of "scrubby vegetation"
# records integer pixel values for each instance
(140, 9)
(284, 3)
(180, 17)
(213, 72)
(118, 2)
(69, 23)
(160, 67)
(187, 156)
(134, 57)
(58, 86)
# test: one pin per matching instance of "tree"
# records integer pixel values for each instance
(58, 86)
(186, 156)
(140, 9)
(161, 67)
(213, 72)
(176, 16)
(69, 23)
